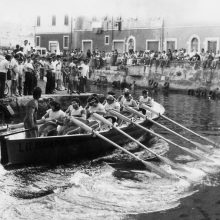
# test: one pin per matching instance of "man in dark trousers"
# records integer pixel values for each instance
(4, 66)
(84, 73)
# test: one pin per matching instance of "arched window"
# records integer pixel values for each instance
(195, 44)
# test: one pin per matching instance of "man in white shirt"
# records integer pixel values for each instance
(54, 64)
(26, 48)
(28, 76)
(4, 66)
(111, 104)
(84, 71)
(14, 75)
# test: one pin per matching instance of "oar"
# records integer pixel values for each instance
(15, 132)
(21, 125)
(165, 117)
(203, 148)
(148, 165)
(163, 159)
(195, 155)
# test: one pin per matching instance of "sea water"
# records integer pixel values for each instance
(100, 190)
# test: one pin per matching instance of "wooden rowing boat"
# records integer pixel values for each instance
(18, 150)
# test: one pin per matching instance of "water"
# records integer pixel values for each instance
(101, 190)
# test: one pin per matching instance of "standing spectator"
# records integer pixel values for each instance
(27, 48)
(65, 72)
(14, 75)
(202, 55)
(83, 76)
(54, 77)
(59, 74)
(50, 79)
(114, 57)
(169, 57)
(4, 67)
(20, 76)
(42, 67)
(28, 82)
(17, 48)
(73, 78)
(88, 54)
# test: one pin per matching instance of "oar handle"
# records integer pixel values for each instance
(117, 114)
(82, 125)
(15, 132)
(150, 109)
(101, 118)
(135, 112)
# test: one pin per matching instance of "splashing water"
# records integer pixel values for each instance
(101, 190)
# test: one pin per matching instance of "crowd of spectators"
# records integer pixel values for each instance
(98, 59)
(24, 66)
(207, 59)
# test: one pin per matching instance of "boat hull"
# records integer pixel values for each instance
(61, 149)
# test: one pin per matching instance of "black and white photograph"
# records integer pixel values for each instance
(110, 110)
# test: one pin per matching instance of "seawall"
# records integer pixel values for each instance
(182, 76)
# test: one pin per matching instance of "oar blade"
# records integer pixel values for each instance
(172, 164)
(159, 171)
(203, 147)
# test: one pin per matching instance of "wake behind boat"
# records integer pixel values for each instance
(18, 150)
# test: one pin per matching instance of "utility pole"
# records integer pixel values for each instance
(71, 34)
(34, 35)
(162, 34)
(112, 34)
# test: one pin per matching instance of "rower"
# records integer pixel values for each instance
(75, 110)
(146, 100)
(128, 102)
(53, 118)
(111, 104)
(122, 97)
(94, 106)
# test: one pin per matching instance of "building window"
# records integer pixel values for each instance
(65, 41)
(152, 45)
(107, 40)
(38, 21)
(171, 45)
(66, 20)
(53, 20)
(87, 45)
(37, 41)
(212, 46)
(119, 45)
